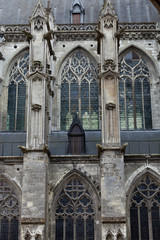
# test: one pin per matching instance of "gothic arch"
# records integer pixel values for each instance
(87, 116)
(140, 89)
(69, 51)
(137, 174)
(150, 61)
(13, 79)
(146, 180)
(76, 177)
(10, 209)
(11, 61)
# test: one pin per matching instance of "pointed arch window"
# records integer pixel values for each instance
(79, 90)
(76, 138)
(75, 213)
(134, 93)
(9, 212)
(145, 210)
(17, 94)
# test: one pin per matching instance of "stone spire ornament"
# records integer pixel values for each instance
(107, 9)
(39, 11)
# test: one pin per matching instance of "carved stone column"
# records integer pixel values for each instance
(113, 210)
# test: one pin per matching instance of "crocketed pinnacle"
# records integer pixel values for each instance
(107, 9)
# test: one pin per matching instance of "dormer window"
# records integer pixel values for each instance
(77, 12)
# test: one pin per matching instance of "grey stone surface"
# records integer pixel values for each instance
(19, 11)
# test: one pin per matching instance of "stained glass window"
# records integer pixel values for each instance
(17, 94)
(134, 93)
(145, 210)
(74, 213)
(79, 91)
(9, 212)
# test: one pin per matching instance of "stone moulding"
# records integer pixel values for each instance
(33, 221)
(75, 32)
(114, 220)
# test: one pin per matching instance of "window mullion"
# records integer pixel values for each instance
(64, 228)
(139, 223)
(16, 107)
(69, 102)
(125, 105)
(134, 104)
(89, 104)
(143, 120)
(79, 98)
(150, 222)
(85, 230)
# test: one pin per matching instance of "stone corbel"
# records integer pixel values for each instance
(28, 35)
(48, 35)
(99, 34)
(119, 33)
(110, 106)
(37, 65)
(36, 107)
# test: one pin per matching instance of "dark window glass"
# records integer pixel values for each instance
(4, 229)
(134, 93)
(74, 213)
(17, 94)
(79, 91)
(14, 229)
(144, 210)
(134, 222)
(9, 212)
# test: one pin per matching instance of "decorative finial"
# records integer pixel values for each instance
(107, 9)
(48, 5)
(48, 8)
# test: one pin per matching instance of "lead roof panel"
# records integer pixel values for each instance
(19, 11)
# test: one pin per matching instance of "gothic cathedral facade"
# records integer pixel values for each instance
(79, 120)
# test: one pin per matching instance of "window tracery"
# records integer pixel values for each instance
(74, 213)
(134, 93)
(145, 210)
(17, 94)
(9, 212)
(79, 91)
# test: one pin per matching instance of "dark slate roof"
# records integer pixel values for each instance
(19, 11)
(139, 142)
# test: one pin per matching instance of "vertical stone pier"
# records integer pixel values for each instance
(111, 153)
(36, 154)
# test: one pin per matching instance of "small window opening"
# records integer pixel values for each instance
(77, 12)
(76, 137)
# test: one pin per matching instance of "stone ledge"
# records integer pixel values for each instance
(33, 221)
(113, 220)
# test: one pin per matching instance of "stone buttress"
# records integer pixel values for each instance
(111, 152)
(36, 154)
